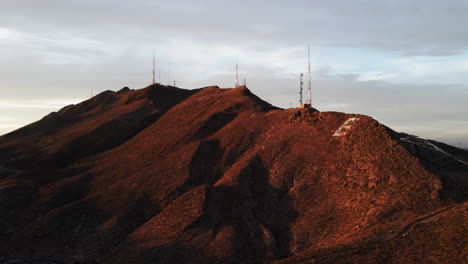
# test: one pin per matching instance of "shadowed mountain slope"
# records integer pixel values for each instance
(90, 127)
(167, 175)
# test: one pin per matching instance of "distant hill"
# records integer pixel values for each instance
(168, 175)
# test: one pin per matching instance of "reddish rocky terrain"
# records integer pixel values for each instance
(167, 175)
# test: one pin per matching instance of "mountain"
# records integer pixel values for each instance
(168, 175)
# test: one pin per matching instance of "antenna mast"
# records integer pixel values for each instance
(168, 74)
(237, 75)
(154, 75)
(300, 89)
(309, 78)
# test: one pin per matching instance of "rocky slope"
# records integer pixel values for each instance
(167, 175)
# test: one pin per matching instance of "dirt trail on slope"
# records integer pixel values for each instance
(372, 245)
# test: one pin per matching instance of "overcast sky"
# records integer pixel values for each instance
(405, 63)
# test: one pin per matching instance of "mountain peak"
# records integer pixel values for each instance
(217, 174)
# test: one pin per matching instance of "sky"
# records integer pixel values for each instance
(404, 63)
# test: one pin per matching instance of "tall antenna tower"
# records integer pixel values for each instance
(309, 87)
(237, 75)
(300, 89)
(154, 75)
(168, 74)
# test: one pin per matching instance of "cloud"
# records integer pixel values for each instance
(36, 104)
(409, 27)
(376, 76)
(7, 34)
(434, 69)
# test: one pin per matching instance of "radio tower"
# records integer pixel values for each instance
(309, 87)
(300, 89)
(154, 75)
(237, 75)
(168, 74)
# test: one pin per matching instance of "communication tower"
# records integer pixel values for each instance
(237, 75)
(300, 89)
(308, 102)
(154, 70)
(309, 75)
(168, 74)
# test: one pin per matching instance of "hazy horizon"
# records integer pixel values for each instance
(402, 63)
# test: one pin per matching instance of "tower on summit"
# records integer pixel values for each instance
(308, 102)
(237, 75)
(244, 81)
(154, 70)
(300, 87)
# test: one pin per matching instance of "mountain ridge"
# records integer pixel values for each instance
(161, 174)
